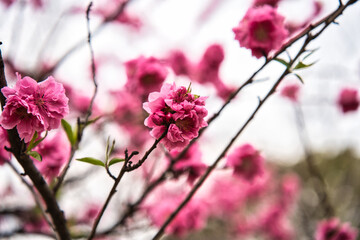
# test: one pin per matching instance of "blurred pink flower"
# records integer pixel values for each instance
(7, 3)
(4, 141)
(192, 217)
(178, 110)
(55, 151)
(275, 225)
(190, 163)
(348, 100)
(180, 64)
(291, 92)
(247, 162)
(32, 106)
(290, 188)
(332, 229)
(145, 75)
(261, 30)
(259, 3)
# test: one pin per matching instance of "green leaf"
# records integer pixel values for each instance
(302, 65)
(282, 61)
(300, 78)
(115, 160)
(310, 53)
(32, 141)
(35, 155)
(69, 131)
(93, 120)
(92, 161)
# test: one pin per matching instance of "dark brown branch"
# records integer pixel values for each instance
(18, 148)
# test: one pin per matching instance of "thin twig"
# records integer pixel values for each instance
(127, 167)
(84, 124)
(321, 190)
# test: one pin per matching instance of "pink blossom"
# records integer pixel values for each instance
(261, 30)
(192, 217)
(291, 92)
(275, 225)
(246, 161)
(7, 3)
(32, 106)
(180, 64)
(190, 163)
(4, 141)
(145, 75)
(348, 100)
(290, 187)
(332, 229)
(179, 111)
(207, 71)
(272, 3)
(55, 151)
(90, 213)
(79, 102)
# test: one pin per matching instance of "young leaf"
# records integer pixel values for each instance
(92, 161)
(31, 143)
(93, 120)
(35, 155)
(300, 78)
(302, 65)
(115, 160)
(68, 130)
(282, 61)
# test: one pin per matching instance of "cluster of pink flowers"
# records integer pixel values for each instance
(179, 112)
(32, 106)
(55, 151)
(246, 161)
(332, 229)
(261, 30)
(348, 100)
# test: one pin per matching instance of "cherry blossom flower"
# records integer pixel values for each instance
(145, 75)
(246, 161)
(4, 155)
(180, 64)
(261, 30)
(272, 3)
(7, 3)
(178, 111)
(192, 217)
(291, 92)
(55, 151)
(190, 163)
(32, 106)
(348, 100)
(332, 229)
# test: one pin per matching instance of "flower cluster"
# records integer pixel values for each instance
(261, 30)
(179, 112)
(32, 106)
